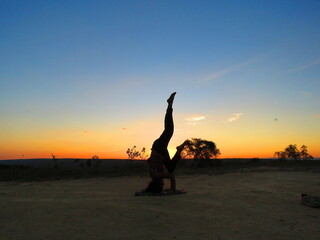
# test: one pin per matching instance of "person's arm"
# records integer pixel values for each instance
(155, 174)
(157, 169)
(173, 183)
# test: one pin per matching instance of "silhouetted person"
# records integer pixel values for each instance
(159, 162)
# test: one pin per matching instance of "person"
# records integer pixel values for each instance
(160, 164)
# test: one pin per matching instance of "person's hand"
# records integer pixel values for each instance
(173, 183)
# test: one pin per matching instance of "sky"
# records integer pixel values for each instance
(83, 78)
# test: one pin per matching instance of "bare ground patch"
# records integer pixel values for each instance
(247, 205)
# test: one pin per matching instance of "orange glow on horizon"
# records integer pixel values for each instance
(121, 154)
(110, 141)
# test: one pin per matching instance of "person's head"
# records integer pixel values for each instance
(155, 185)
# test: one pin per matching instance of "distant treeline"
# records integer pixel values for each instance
(105, 163)
(113, 168)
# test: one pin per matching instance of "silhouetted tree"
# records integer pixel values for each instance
(201, 151)
(96, 160)
(304, 155)
(281, 155)
(55, 161)
(291, 152)
(133, 153)
(143, 154)
(93, 161)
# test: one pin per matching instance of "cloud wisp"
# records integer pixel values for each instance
(194, 119)
(230, 69)
(235, 117)
(302, 67)
(305, 95)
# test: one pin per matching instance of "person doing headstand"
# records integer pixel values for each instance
(159, 162)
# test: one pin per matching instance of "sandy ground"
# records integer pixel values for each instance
(252, 205)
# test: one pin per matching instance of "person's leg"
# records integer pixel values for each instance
(160, 145)
(172, 164)
(167, 133)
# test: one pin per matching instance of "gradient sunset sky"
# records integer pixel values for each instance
(82, 78)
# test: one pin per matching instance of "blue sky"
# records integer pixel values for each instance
(101, 66)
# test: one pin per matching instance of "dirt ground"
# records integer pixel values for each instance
(250, 205)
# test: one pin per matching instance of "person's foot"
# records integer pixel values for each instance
(181, 147)
(171, 98)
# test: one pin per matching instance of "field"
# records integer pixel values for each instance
(251, 202)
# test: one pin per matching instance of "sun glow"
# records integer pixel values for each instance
(106, 93)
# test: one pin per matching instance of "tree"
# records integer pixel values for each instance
(304, 155)
(201, 151)
(55, 161)
(281, 155)
(94, 161)
(97, 161)
(133, 153)
(143, 154)
(291, 152)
